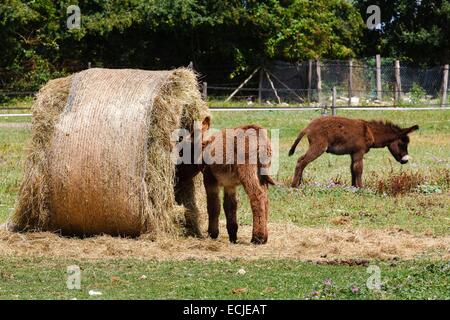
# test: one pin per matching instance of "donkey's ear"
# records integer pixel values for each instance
(409, 130)
(206, 124)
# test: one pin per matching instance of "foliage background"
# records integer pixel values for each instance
(224, 38)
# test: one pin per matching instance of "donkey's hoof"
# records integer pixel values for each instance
(259, 239)
(196, 233)
(213, 234)
(233, 240)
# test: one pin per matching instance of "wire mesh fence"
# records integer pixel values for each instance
(362, 82)
(357, 83)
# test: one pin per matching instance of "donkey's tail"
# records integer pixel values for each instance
(297, 141)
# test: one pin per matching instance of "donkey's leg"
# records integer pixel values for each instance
(265, 189)
(230, 208)
(213, 203)
(185, 195)
(312, 154)
(352, 171)
(257, 195)
(357, 169)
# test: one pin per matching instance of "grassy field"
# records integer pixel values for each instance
(274, 279)
(325, 201)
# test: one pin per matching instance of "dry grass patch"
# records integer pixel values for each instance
(398, 183)
(286, 241)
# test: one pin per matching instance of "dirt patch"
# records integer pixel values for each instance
(286, 241)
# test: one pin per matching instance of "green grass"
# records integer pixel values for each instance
(219, 102)
(23, 119)
(12, 154)
(280, 279)
(6, 107)
(314, 204)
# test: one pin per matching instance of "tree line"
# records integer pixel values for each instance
(229, 37)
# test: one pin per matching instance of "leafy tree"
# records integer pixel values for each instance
(224, 38)
(413, 30)
(316, 29)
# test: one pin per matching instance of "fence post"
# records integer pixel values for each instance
(398, 82)
(379, 86)
(205, 90)
(350, 82)
(310, 65)
(273, 87)
(261, 75)
(333, 106)
(241, 85)
(444, 86)
(319, 80)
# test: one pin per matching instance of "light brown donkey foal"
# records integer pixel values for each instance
(233, 157)
(338, 135)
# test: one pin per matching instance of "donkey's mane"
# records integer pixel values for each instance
(386, 124)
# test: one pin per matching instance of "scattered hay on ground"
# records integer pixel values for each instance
(286, 241)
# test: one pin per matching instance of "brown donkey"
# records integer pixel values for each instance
(338, 135)
(230, 167)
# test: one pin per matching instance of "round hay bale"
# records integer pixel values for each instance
(100, 152)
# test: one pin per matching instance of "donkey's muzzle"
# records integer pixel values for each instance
(404, 160)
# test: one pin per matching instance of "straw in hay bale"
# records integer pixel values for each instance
(100, 154)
